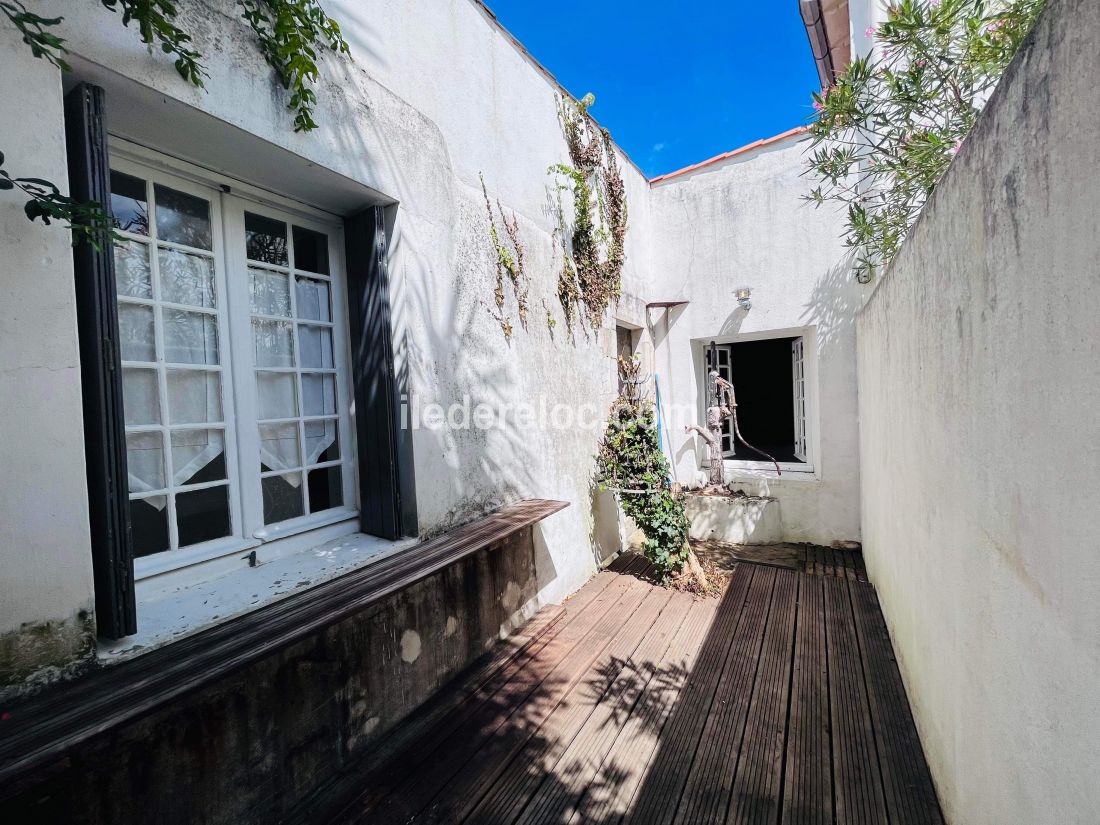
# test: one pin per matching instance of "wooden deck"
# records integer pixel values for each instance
(778, 703)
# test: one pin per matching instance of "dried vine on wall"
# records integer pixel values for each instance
(594, 250)
(509, 262)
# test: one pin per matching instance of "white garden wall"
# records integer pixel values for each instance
(979, 379)
(742, 222)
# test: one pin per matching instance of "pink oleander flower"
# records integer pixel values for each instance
(954, 150)
(870, 32)
(818, 107)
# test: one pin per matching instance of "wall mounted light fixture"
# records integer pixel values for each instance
(744, 297)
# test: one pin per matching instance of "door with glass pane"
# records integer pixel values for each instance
(172, 327)
(286, 269)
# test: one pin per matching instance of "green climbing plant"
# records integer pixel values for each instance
(594, 247)
(631, 463)
(292, 34)
(510, 263)
(886, 132)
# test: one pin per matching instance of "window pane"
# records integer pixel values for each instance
(145, 461)
(318, 394)
(149, 525)
(314, 346)
(282, 497)
(194, 397)
(129, 207)
(139, 396)
(189, 337)
(276, 394)
(312, 298)
(182, 218)
(325, 489)
(133, 277)
(186, 278)
(279, 447)
(321, 442)
(202, 515)
(270, 292)
(272, 343)
(310, 250)
(265, 239)
(135, 331)
(198, 456)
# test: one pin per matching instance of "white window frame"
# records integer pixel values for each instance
(809, 388)
(229, 200)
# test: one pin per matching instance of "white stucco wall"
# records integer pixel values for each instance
(979, 377)
(47, 573)
(434, 97)
(398, 119)
(741, 222)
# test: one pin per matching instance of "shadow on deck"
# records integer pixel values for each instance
(780, 702)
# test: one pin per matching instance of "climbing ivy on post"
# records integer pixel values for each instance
(292, 34)
(631, 463)
(594, 247)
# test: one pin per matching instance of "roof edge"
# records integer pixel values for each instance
(751, 147)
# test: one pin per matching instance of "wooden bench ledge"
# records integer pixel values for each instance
(44, 728)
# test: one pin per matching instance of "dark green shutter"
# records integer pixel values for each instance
(386, 497)
(101, 375)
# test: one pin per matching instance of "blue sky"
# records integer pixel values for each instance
(676, 83)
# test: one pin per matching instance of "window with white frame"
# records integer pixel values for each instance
(233, 351)
(769, 381)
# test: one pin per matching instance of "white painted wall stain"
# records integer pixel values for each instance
(410, 646)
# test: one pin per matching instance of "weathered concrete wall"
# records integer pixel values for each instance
(979, 377)
(741, 222)
(252, 746)
(46, 593)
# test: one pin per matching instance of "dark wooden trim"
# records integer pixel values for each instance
(382, 512)
(101, 374)
(44, 729)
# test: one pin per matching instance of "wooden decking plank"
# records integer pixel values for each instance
(514, 787)
(480, 773)
(451, 753)
(577, 768)
(659, 795)
(620, 774)
(858, 781)
(710, 779)
(397, 758)
(808, 784)
(758, 785)
(907, 782)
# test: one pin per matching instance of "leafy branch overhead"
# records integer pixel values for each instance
(886, 132)
(88, 221)
(292, 34)
(594, 252)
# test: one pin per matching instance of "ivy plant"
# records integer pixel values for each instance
(887, 130)
(594, 249)
(631, 463)
(291, 35)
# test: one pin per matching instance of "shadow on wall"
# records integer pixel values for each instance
(447, 349)
(834, 303)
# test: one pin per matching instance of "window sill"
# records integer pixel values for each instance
(169, 614)
(736, 472)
